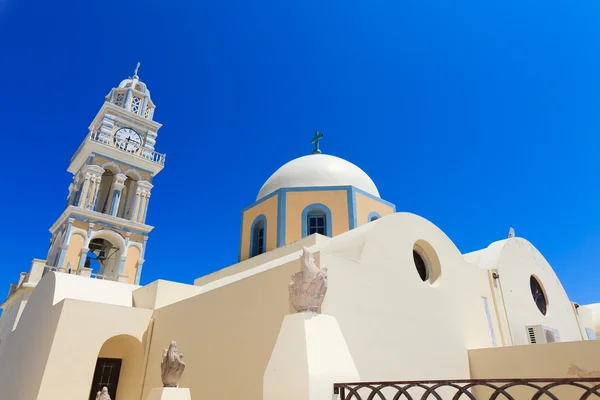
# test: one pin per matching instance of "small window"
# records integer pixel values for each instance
(258, 238)
(373, 216)
(538, 295)
(421, 266)
(591, 334)
(489, 320)
(317, 223)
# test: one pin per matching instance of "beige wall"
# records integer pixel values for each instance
(269, 209)
(28, 346)
(226, 335)
(555, 360)
(365, 205)
(74, 251)
(80, 224)
(296, 202)
(131, 263)
(161, 293)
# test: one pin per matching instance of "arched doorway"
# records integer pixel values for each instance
(119, 368)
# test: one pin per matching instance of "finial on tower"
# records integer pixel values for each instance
(511, 233)
(135, 75)
(315, 141)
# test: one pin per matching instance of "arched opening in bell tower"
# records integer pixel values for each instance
(104, 258)
(127, 197)
(104, 194)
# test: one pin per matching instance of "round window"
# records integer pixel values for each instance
(538, 295)
(421, 266)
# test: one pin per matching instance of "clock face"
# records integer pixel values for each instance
(127, 139)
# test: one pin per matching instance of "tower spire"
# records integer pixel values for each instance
(135, 72)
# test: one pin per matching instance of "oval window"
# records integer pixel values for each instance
(421, 266)
(538, 295)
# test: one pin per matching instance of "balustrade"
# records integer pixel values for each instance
(122, 144)
(473, 389)
(79, 272)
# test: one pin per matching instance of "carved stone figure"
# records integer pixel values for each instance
(103, 394)
(171, 366)
(308, 287)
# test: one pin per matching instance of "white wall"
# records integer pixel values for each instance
(81, 331)
(11, 314)
(516, 260)
(397, 326)
(70, 286)
(595, 309)
(585, 319)
(59, 335)
(28, 346)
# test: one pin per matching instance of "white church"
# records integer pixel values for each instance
(400, 310)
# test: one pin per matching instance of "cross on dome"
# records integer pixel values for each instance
(315, 140)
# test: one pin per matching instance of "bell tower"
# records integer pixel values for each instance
(102, 230)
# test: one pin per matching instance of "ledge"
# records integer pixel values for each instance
(100, 219)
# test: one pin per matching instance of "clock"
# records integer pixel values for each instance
(128, 139)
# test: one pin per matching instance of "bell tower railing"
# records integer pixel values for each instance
(121, 144)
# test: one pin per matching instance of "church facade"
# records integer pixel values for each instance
(409, 305)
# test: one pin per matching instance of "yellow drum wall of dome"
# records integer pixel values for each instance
(366, 207)
(296, 202)
(268, 208)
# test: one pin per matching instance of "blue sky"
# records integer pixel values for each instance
(477, 115)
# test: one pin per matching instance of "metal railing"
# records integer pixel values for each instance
(473, 389)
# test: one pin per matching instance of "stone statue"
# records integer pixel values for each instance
(511, 233)
(308, 288)
(103, 394)
(171, 366)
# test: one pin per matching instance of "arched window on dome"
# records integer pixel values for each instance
(316, 218)
(258, 238)
(373, 216)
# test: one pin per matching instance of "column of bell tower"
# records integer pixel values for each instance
(103, 232)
